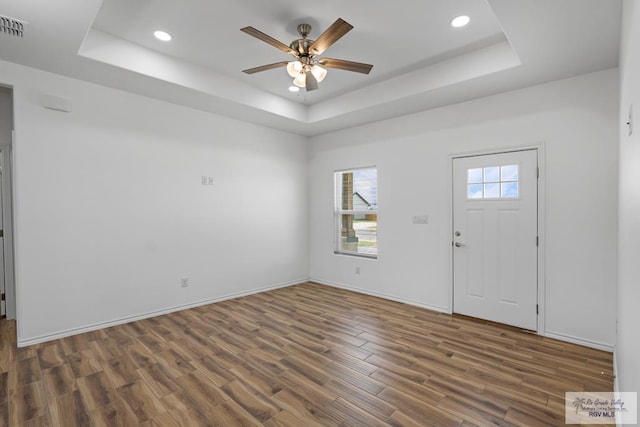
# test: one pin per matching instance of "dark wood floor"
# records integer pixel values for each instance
(306, 355)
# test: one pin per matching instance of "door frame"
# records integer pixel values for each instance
(6, 152)
(542, 209)
(8, 192)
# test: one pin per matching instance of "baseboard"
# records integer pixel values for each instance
(580, 341)
(380, 295)
(122, 320)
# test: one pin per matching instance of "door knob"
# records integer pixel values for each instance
(457, 233)
(458, 244)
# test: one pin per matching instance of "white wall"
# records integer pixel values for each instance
(575, 119)
(111, 213)
(628, 342)
(110, 210)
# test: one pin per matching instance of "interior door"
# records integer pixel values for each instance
(495, 237)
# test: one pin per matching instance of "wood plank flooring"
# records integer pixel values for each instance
(307, 355)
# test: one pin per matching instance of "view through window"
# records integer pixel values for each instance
(357, 212)
(494, 182)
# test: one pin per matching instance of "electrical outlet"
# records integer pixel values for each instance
(357, 270)
(184, 282)
(203, 180)
(210, 180)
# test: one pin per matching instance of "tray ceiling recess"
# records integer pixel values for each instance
(421, 60)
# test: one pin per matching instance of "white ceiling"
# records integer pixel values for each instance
(217, 44)
(420, 61)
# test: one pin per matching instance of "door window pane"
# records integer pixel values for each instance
(509, 190)
(492, 174)
(474, 191)
(492, 191)
(493, 182)
(509, 173)
(474, 176)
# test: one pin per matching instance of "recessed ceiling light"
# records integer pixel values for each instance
(460, 21)
(294, 88)
(162, 35)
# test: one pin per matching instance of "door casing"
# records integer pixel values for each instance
(540, 146)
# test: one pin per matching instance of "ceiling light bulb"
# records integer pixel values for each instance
(319, 73)
(300, 80)
(460, 21)
(294, 89)
(294, 68)
(162, 35)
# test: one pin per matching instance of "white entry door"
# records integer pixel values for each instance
(495, 244)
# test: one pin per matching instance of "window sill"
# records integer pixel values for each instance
(356, 255)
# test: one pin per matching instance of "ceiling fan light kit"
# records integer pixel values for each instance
(306, 69)
(294, 68)
(300, 80)
(299, 73)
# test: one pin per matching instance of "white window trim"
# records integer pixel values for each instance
(338, 212)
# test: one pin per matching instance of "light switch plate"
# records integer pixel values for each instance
(420, 219)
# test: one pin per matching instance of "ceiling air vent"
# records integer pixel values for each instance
(12, 27)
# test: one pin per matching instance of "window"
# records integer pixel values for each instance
(493, 182)
(356, 212)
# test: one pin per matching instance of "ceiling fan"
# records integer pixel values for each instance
(307, 70)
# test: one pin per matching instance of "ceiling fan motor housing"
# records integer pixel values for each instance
(302, 46)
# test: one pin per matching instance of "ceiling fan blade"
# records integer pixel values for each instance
(343, 64)
(311, 82)
(268, 39)
(330, 36)
(265, 67)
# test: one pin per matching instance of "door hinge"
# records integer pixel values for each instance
(538, 173)
(537, 240)
(3, 297)
(537, 309)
